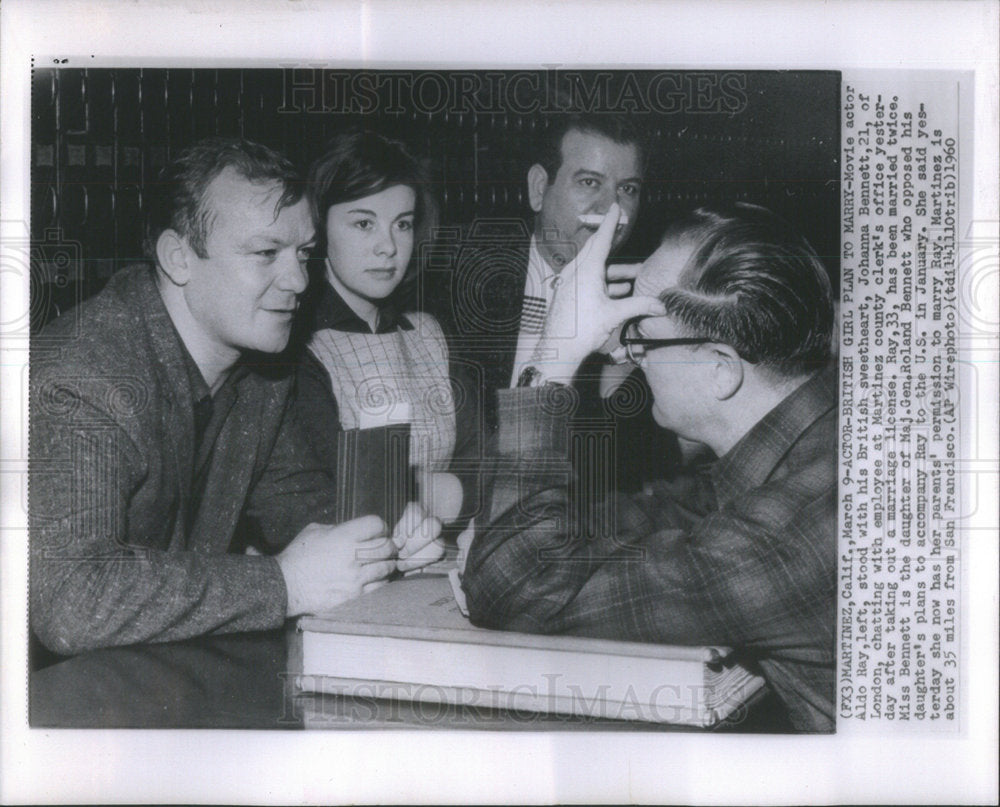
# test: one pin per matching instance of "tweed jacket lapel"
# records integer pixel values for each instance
(174, 387)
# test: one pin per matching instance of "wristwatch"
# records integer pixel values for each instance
(532, 377)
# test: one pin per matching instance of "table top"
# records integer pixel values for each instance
(243, 681)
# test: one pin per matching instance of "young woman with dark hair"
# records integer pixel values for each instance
(370, 361)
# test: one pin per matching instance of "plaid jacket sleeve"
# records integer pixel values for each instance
(743, 575)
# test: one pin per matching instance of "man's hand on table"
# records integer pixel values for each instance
(326, 565)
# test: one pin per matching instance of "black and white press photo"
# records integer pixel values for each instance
(555, 348)
(555, 402)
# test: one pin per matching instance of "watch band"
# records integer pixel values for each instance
(532, 377)
(529, 377)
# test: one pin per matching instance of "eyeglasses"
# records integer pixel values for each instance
(636, 346)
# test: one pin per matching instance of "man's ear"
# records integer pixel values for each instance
(726, 371)
(538, 181)
(173, 256)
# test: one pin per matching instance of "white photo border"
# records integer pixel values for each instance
(254, 767)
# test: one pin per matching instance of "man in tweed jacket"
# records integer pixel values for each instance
(160, 429)
(734, 339)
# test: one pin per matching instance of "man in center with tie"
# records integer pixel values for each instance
(580, 165)
(584, 164)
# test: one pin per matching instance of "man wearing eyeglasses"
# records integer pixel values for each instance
(732, 325)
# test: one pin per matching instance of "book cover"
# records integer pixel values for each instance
(408, 640)
(373, 473)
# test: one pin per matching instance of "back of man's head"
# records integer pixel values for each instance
(754, 283)
(179, 198)
(547, 148)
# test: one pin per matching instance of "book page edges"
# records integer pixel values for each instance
(528, 641)
(676, 714)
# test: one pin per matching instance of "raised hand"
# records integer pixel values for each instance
(584, 311)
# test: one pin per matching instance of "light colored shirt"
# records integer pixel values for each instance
(539, 289)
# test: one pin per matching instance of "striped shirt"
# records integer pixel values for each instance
(539, 289)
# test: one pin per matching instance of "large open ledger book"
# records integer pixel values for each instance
(408, 641)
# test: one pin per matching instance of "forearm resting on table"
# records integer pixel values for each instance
(543, 564)
(527, 479)
(81, 601)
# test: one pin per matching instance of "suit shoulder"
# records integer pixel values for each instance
(100, 332)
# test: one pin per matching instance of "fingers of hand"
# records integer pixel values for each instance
(426, 532)
(601, 240)
(413, 514)
(427, 554)
(371, 572)
(611, 344)
(363, 529)
(464, 540)
(377, 549)
(619, 279)
(629, 307)
(594, 254)
(622, 271)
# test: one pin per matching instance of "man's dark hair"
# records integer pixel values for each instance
(617, 128)
(360, 163)
(179, 199)
(755, 284)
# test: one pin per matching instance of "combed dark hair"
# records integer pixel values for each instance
(359, 163)
(617, 128)
(179, 199)
(755, 284)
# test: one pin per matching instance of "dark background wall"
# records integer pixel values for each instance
(100, 135)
